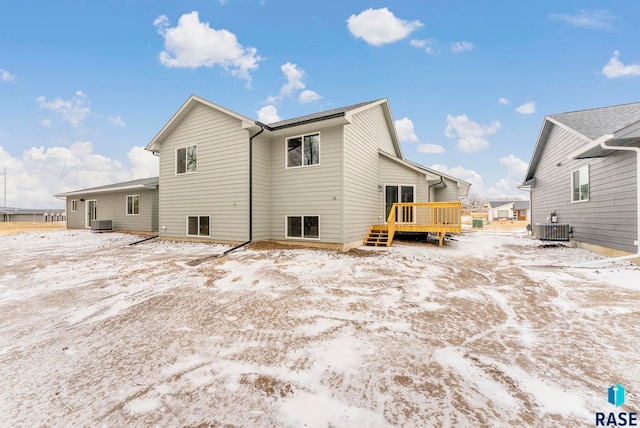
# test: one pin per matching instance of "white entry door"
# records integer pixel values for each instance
(92, 211)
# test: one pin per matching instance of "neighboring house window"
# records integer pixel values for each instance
(580, 184)
(198, 226)
(187, 160)
(74, 205)
(303, 150)
(133, 204)
(304, 227)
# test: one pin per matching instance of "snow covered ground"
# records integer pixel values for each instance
(486, 331)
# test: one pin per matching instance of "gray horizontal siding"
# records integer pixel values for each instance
(446, 194)
(608, 219)
(363, 202)
(312, 190)
(220, 187)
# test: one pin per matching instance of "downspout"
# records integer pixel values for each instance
(432, 185)
(250, 192)
(604, 145)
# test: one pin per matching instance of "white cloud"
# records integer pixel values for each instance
(615, 68)
(294, 84)
(268, 114)
(527, 108)
(589, 19)
(117, 121)
(380, 26)
(431, 149)
(45, 122)
(5, 76)
(41, 172)
(193, 44)
(404, 128)
(426, 44)
(74, 110)
(308, 96)
(503, 100)
(516, 168)
(458, 47)
(471, 135)
(468, 175)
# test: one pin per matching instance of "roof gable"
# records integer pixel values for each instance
(184, 110)
(588, 124)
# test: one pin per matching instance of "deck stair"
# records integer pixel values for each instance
(378, 236)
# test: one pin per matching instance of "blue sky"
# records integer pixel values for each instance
(84, 86)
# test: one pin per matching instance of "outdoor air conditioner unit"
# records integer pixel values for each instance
(553, 232)
(101, 225)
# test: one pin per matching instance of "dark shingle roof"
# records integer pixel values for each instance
(316, 116)
(521, 205)
(596, 122)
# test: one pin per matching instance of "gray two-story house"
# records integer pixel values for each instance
(327, 179)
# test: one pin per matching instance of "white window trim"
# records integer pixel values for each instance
(74, 205)
(384, 195)
(175, 160)
(126, 204)
(186, 224)
(286, 228)
(588, 177)
(286, 148)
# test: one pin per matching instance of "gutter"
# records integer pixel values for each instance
(603, 144)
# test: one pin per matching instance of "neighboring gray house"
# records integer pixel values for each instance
(132, 206)
(584, 171)
(509, 210)
(30, 215)
(322, 179)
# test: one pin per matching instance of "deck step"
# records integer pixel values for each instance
(378, 235)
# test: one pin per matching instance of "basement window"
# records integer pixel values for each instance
(303, 227)
(187, 160)
(198, 225)
(303, 150)
(580, 184)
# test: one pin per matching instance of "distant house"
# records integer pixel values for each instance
(8, 214)
(322, 179)
(509, 210)
(584, 173)
(130, 206)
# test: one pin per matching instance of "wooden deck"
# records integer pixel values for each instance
(434, 217)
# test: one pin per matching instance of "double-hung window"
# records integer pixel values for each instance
(580, 184)
(303, 227)
(133, 204)
(303, 150)
(198, 225)
(187, 160)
